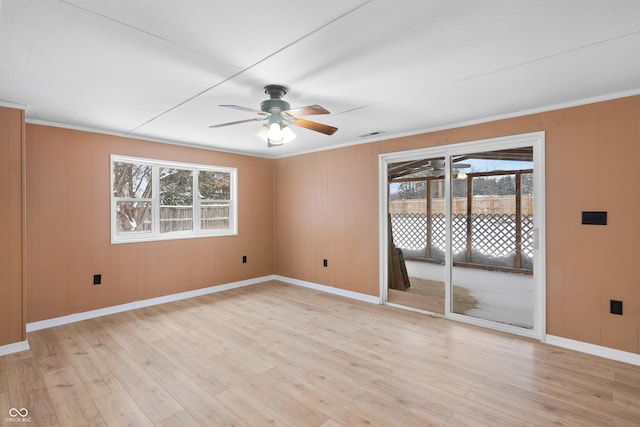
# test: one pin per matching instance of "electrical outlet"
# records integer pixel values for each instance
(615, 307)
(244, 259)
(594, 218)
(325, 263)
(97, 279)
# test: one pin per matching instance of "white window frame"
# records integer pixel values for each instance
(155, 234)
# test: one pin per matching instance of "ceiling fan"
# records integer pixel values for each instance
(279, 116)
(436, 168)
(437, 165)
(425, 168)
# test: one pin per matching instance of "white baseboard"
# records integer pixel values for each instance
(15, 347)
(76, 317)
(596, 350)
(329, 289)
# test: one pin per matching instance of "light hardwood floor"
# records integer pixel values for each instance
(276, 354)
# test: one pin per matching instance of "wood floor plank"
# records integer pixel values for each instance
(249, 409)
(181, 419)
(625, 397)
(148, 394)
(73, 404)
(202, 406)
(153, 362)
(295, 410)
(27, 389)
(94, 373)
(330, 403)
(421, 302)
(332, 423)
(211, 380)
(156, 402)
(120, 409)
(180, 353)
(397, 412)
(276, 354)
(49, 351)
(436, 392)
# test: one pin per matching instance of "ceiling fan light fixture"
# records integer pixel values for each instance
(287, 134)
(460, 175)
(262, 133)
(276, 134)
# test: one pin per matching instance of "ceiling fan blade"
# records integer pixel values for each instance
(318, 127)
(238, 122)
(309, 110)
(249, 110)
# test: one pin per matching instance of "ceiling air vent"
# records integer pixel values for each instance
(367, 135)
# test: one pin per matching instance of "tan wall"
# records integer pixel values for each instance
(592, 155)
(11, 226)
(326, 209)
(68, 229)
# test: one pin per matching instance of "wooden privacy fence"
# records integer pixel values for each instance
(180, 218)
(481, 205)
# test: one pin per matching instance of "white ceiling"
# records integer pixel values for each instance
(158, 69)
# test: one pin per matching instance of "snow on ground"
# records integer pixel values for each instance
(502, 297)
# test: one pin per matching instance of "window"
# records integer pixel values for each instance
(155, 200)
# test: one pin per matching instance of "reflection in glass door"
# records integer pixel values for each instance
(493, 236)
(417, 234)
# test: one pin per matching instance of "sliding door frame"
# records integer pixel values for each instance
(535, 140)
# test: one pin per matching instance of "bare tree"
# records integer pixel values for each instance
(132, 181)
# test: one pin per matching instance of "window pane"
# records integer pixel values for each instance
(176, 187)
(176, 218)
(131, 180)
(214, 190)
(176, 200)
(214, 215)
(214, 185)
(133, 217)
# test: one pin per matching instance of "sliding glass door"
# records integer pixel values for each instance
(463, 230)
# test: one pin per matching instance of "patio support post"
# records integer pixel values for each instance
(469, 219)
(518, 259)
(427, 184)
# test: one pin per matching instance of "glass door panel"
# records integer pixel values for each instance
(417, 234)
(492, 236)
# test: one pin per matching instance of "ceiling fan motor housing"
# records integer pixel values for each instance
(275, 104)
